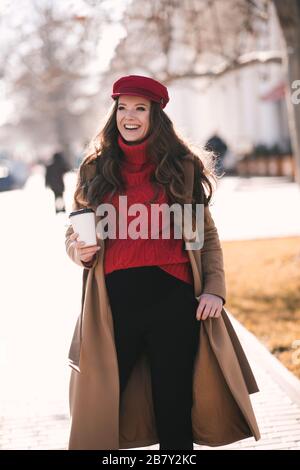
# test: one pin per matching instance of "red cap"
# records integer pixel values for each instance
(137, 85)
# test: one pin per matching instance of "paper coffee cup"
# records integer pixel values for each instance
(84, 223)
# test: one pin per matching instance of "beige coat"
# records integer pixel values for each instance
(222, 381)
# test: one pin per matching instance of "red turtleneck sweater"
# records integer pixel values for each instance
(169, 254)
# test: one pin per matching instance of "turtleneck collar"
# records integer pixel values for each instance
(134, 154)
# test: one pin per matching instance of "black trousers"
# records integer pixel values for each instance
(154, 312)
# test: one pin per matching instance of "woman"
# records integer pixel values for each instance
(140, 329)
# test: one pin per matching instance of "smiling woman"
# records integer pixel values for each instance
(133, 118)
(141, 377)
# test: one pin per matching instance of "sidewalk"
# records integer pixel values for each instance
(39, 306)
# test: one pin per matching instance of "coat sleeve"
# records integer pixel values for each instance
(212, 259)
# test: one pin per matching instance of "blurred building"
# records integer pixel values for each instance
(246, 108)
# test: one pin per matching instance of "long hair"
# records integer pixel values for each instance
(165, 147)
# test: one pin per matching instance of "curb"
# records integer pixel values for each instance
(257, 352)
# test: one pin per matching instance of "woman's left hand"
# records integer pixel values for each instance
(210, 305)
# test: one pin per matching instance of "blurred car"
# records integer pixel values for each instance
(13, 174)
(6, 177)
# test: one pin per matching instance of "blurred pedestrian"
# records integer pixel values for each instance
(218, 146)
(54, 179)
(145, 369)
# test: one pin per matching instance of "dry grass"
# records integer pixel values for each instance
(263, 293)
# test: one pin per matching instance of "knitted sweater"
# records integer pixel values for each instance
(169, 254)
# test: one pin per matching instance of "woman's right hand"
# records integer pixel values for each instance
(85, 254)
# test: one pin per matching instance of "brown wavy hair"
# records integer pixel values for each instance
(100, 174)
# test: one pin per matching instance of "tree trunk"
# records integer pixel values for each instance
(288, 12)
